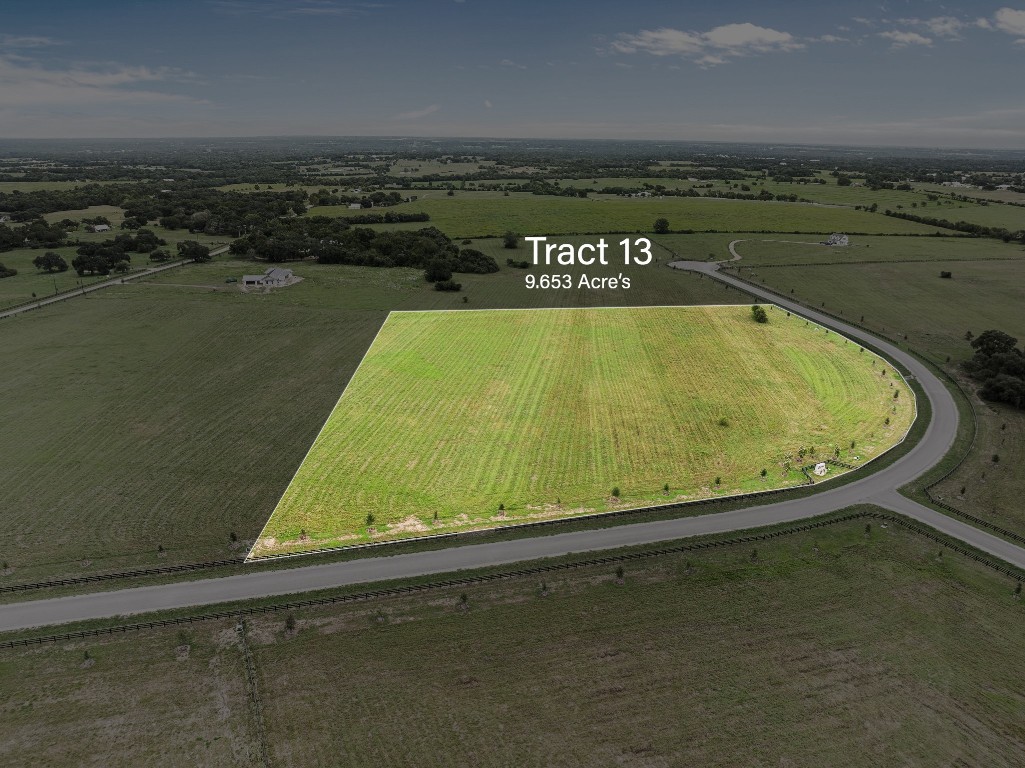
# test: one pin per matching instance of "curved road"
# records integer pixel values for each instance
(879, 488)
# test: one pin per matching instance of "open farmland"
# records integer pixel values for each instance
(760, 250)
(463, 420)
(187, 406)
(471, 214)
(926, 674)
(911, 298)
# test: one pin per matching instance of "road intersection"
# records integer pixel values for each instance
(879, 488)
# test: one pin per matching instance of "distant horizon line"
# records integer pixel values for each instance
(412, 137)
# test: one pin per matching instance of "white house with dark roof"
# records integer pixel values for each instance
(273, 277)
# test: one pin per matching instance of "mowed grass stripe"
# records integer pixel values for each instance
(454, 414)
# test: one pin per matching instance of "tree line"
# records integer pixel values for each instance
(999, 366)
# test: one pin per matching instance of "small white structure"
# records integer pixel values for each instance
(101, 228)
(838, 238)
(273, 277)
(354, 206)
(820, 469)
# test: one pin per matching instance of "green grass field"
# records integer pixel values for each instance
(186, 407)
(453, 414)
(831, 648)
(911, 300)
(30, 283)
(473, 214)
(36, 186)
(757, 251)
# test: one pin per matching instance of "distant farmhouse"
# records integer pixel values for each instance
(100, 228)
(837, 238)
(273, 277)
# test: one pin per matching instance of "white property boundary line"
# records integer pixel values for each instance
(309, 450)
(250, 558)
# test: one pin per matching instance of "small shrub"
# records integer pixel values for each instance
(619, 572)
(996, 458)
(290, 622)
(718, 480)
(370, 520)
(447, 285)
(764, 471)
(615, 491)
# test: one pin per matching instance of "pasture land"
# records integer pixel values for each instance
(187, 406)
(30, 283)
(457, 421)
(36, 186)
(472, 214)
(1001, 195)
(926, 674)
(911, 299)
(757, 251)
(412, 167)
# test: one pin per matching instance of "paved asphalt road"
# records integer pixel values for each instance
(879, 488)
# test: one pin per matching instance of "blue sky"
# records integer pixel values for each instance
(904, 72)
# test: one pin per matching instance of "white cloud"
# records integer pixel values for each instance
(416, 114)
(709, 48)
(939, 26)
(511, 64)
(1010, 21)
(26, 83)
(26, 41)
(829, 39)
(902, 39)
(488, 104)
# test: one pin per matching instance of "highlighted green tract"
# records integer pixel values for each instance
(464, 420)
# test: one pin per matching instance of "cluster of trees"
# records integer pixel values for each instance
(50, 262)
(111, 255)
(333, 241)
(999, 366)
(371, 200)
(26, 206)
(962, 226)
(439, 271)
(35, 234)
(6, 271)
(388, 217)
(214, 211)
(758, 314)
